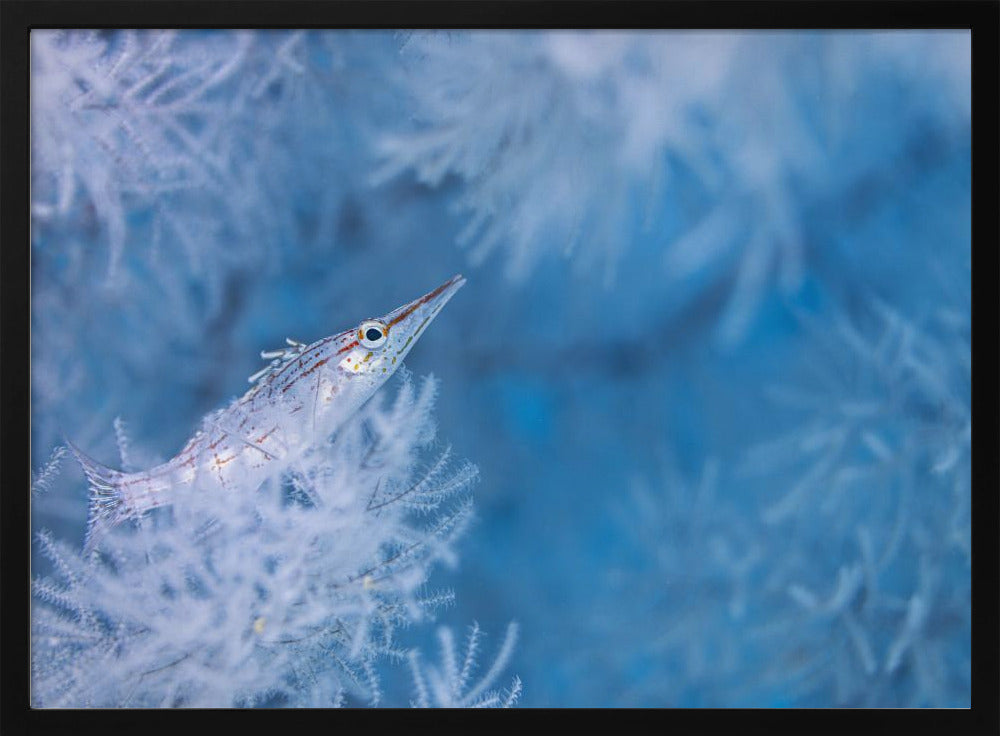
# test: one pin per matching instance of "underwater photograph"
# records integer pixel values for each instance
(493, 368)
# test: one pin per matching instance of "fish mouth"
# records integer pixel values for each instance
(425, 307)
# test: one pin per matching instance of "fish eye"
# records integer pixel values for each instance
(371, 333)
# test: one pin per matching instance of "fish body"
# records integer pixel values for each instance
(306, 392)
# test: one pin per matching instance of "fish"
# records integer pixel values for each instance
(305, 392)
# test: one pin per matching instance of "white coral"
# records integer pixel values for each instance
(287, 594)
(449, 685)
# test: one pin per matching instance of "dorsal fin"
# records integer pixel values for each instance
(278, 358)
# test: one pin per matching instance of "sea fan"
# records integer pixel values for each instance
(881, 474)
(287, 595)
(151, 123)
(449, 684)
(143, 145)
(704, 150)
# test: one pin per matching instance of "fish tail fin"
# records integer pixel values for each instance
(107, 501)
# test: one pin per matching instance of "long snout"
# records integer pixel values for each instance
(411, 319)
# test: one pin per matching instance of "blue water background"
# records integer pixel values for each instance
(594, 410)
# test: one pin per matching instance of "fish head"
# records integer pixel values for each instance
(376, 348)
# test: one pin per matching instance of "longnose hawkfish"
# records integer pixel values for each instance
(305, 392)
